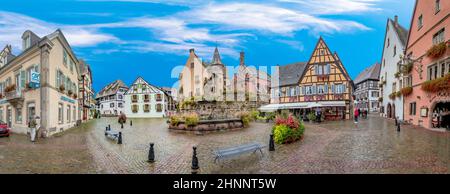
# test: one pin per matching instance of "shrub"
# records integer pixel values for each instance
(437, 50)
(270, 115)
(245, 117)
(406, 91)
(254, 115)
(287, 130)
(398, 94)
(174, 120)
(311, 116)
(191, 119)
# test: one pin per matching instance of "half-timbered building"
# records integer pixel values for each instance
(144, 100)
(320, 84)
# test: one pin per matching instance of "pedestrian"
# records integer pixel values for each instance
(356, 114)
(32, 124)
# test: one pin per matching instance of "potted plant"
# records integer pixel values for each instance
(311, 117)
(62, 88)
(380, 99)
(392, 95)
(70, 92)
(397, 75)
(75, 96)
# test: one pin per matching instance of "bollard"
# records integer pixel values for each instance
(151, 154)
(106, 131)
(398, 127)
(131, 123)
(396, 122)
(119, 140)
(121, 125)
(271, 143)
(194, 159)
(109, 127)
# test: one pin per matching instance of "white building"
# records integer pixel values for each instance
(144, 100)
(390, 80)
(110, 100)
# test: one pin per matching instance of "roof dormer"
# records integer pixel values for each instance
(29, 39)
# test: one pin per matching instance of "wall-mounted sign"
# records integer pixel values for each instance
(64, 98)
(35, 79)
(424, 112)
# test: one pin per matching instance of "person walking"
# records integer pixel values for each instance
(32, 124)
(356, 114)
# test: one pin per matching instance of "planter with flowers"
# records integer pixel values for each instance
(440, 84)
(62, 88)
(437, 50)
(392, 95)
(406, 91)
(287, 130)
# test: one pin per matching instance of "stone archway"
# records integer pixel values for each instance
(440, 106)
(389, 111)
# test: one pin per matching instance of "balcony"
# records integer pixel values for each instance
(14, 97)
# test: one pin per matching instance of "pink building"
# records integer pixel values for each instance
(426, 66)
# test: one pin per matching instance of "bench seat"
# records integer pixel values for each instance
(237, 150)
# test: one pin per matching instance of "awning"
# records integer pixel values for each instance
(301, 105)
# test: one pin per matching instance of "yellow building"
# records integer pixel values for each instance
(41, 81)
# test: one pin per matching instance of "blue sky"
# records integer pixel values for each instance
(123, 39)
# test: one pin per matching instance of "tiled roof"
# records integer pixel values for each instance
(290, 74)
(401, 32)
(372, 72)
(111, 88)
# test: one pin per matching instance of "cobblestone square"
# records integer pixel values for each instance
(371, 146)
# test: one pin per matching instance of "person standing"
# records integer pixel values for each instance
(356, 114)
(32, 124)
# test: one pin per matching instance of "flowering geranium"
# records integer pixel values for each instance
(290, 121)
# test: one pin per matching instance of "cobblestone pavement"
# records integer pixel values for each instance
(372, 146)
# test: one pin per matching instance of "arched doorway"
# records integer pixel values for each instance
(389, 111)
(440, 114)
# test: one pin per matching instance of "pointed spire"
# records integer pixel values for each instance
(216, 58)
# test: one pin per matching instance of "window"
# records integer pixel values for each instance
(192, 65)
(394, 87)
(146, 108)
(120, 105)
(442, 69)
(437, 7)
(146, 98)
(26, 42)
(420, 22)
(158, 97)
(74, 115)
(65, 58)
(158, 108)
(71, 66)
(134, 98)
(395, 50)
(432, 72)
(120, 96)
(340, 89)
(309, 90)
(439, 37)
(412, 108)
(320, 89)
(134, 108)
(388, 42)
(111, 105)
(68, 114)
(19, 115)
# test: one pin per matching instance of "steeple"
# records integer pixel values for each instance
(216, 58)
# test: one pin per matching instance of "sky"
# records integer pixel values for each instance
(124, 39)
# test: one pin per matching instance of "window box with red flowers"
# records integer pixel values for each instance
(406, 91)
(440, 84)
(437, 50)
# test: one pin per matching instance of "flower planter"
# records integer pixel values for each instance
(406, 91)
(437, 50)
(437, 85)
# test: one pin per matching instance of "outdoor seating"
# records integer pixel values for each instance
(237, 150)
(114, 135)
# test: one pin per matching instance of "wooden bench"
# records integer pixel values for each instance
(114, 135)
(238, 150)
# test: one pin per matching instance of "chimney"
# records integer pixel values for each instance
(396, 20)
(242, 59)
(191, 50)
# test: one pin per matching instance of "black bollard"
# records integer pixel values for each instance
(396, 122)
(398, 127)
(106, 130)
(194, 159)
(119, 140)
(109, 127)
(151, 154)
(271, 143)
(121, 125)
(131, 123)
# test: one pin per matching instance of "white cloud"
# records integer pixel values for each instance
(266, 18)
(318, 7)
(12, 25)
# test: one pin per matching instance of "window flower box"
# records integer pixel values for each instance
(437, 85)
(380, 99)
(437, 50)
(406, 91)
(62, 88)
(392, 95)
(398, 94)
(397, 75)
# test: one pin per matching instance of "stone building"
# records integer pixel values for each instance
(40, 81)
(366, 89)
(110, 100)
(426, 91)
(391, 79)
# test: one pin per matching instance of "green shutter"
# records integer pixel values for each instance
(22, 79)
